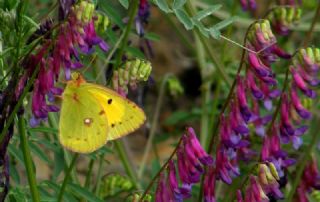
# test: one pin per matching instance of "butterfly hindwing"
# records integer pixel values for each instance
(123, 115)
(83, 123)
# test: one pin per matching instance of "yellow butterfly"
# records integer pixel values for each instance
(91, 115)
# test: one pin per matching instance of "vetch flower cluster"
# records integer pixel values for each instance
(304, 73)
(61, 51)
(191, 159)
(282, 18)
(263, 186)
(133, 72)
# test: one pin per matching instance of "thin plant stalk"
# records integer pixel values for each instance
(67, 177)
(308, 38)
(101, 161)
(154, 126)
(160, 171)
(132, 14)
(211, 54)
(28, 160)
(125, 162)
(205, 90)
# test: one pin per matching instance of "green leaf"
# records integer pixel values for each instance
(177, 4)
(214, 32)
(152, 36)
(177, 117)
(28, 19)
(14, 174)
(80, 191)
(201, 28)
(38, 152)
(50, 145)
(222, 24)
(124, 3)
(56, 188)
(215, 29)
(163, 5)
(43, 130)
(206, 12)
(184, 18)
(16, 153)
(113, 14)
(135, 52)
(59, 164)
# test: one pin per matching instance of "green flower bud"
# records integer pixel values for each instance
(273, 171)
(175, 87)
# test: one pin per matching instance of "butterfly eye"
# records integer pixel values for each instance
(109, 101)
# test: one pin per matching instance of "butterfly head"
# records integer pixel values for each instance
(77, 78)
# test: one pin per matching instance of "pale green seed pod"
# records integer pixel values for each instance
(316, 52)
(297, 15)
(262, 176)
(309, 51)
(290, 15)
(273, 171)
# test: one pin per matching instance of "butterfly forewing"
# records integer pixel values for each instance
(123, 115)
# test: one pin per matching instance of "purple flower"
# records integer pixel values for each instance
(226, 169)
(271, 152)
(303, 113)
(64, 8)
(310, 180)
(162, 194)
(190, 157)
(242, 99)
(194, 144)
(301, 84)
(77, 32)
(248, 5)
(239, 196)
(209, 185)
(254, 191)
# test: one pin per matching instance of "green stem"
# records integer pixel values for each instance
(99, 175)
(205, 90)
(205, 42)
(28, 160)
(66, 177)
(18, 105)
(305, 158)
(124, 159)
(312, 27)
(160, 171)
(133, 12)
(89, 173)
(153, 126)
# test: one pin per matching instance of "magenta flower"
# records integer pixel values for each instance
(226, 168)
(242, 100)
(271, 152)
(239, 196)
(162, 194)
(248, 5)
(209, 185)
(77, 32)
(301, 84)
(299, 108)
(310, 180)
(254, 191)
